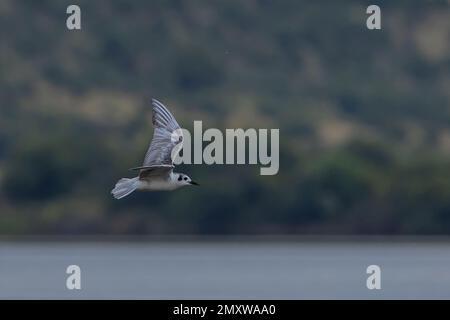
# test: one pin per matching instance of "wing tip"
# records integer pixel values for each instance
(156, 103)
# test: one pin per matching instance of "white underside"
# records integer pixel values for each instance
(155, 185)
(125, 186)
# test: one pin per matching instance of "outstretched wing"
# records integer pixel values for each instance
(166, 136)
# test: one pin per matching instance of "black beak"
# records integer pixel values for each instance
(194, 183)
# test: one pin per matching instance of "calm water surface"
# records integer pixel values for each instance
(178, 270)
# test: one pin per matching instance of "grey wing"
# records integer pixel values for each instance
(166, 136)
(158, 172)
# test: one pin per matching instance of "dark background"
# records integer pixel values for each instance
(364, 116)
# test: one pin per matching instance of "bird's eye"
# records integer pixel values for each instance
(179, 178)
(185, 178)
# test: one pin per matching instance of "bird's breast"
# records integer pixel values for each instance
(156, 185)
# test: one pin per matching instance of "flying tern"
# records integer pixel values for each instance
(156, 173)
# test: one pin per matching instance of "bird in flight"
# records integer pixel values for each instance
(156, 173)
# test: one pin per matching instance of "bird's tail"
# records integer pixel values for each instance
(124, 187)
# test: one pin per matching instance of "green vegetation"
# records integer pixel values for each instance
(363, 115)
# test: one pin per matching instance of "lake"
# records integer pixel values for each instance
(225, 270)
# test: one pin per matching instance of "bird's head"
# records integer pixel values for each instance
(184, 180)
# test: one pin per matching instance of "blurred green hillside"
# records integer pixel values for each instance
(364, 116)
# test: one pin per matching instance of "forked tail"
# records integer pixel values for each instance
(124, 187)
